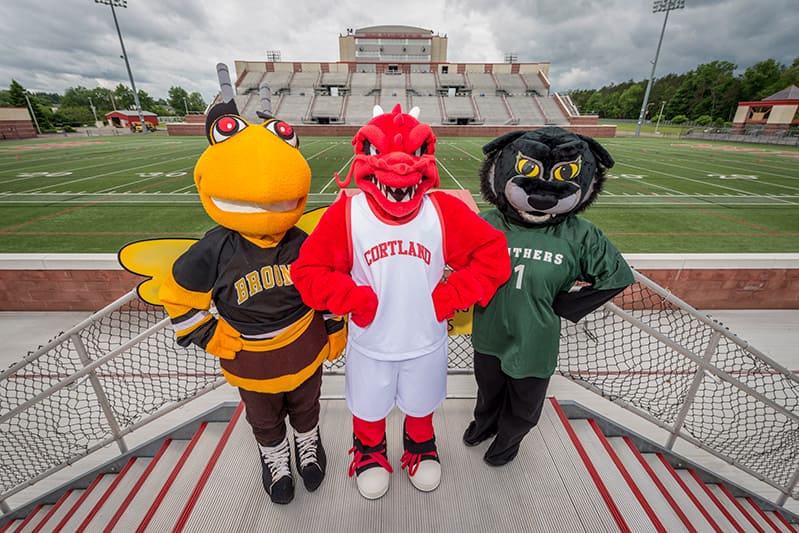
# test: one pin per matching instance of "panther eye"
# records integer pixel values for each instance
(567, 171)
(526, 166)
(226, 127)
(370, 149)
(284, 131)
(422, 150)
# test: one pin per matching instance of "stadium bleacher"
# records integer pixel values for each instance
(313, 96)
(387, 65)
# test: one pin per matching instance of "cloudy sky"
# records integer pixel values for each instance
(49, 45)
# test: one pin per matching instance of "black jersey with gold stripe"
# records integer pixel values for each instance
(250, 286)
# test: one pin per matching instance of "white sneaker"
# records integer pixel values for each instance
(427, 476)
(371, 468)
(373, 483)
(421, 460)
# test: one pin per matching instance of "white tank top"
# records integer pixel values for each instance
(403, 263)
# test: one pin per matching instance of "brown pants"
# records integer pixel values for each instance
(266, 412)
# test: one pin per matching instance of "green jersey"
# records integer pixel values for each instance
(519, 324)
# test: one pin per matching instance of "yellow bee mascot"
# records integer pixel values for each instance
(254, 183)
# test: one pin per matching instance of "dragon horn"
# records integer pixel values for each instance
(414, 112)
(377, 110)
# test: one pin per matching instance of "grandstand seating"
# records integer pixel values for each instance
(293, 108)
(430, 108)
(458, 108)
(493, 109)
(511, 83)
(321, 94)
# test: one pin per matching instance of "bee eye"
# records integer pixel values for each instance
(566, 171)
(284, 131)
(226, 127)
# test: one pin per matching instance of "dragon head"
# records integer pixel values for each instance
(252, 178)
(540, 177)
(394, 162)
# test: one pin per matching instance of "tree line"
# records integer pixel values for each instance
(707, 94)
(74, 107)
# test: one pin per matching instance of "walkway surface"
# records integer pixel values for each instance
(773, 332)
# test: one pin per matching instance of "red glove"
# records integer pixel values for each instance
(362, 303)
(226, 341)
(444, 302)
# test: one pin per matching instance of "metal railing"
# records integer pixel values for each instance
(647, 351)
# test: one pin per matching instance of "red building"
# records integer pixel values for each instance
(123, 118)
(16, 123)
(773, 114)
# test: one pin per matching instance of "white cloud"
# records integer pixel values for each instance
(49, 46)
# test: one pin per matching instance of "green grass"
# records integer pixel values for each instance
(95, 194)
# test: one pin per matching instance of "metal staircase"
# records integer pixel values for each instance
(648, 352)
(568, 476)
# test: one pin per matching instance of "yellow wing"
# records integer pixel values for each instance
(153, 258)
(310, 219)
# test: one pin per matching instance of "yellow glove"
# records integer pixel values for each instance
(337, 341)
(226, 341)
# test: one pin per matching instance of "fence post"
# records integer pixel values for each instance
(98, 390)
(691, 394)
(789, 488)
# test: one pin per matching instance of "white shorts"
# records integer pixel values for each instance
(416, 386)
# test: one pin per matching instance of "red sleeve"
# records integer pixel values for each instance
(321, 273)
(475, 251)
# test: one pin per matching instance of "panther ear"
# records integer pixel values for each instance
(500, 142)
(602, 156)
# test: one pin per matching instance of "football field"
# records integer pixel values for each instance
(665, 195)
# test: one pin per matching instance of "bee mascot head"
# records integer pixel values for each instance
(252, 178)
(542, 176)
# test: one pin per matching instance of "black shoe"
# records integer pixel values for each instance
(472, 437)
(497, 457)
(276, 475)
(311, 459)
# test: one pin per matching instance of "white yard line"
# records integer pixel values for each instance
(340, 172)
(452, 177)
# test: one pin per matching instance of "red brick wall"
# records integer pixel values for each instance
(91, 290)
(17, 129)
(63, 290)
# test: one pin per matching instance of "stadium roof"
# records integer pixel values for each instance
(789, 93)
(393, 29)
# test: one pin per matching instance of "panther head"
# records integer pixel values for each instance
(541, 176)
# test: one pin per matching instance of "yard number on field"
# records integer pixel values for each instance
(161, 174)
(43, 174)
(733, 176)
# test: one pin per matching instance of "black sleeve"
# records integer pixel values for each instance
(574, 305)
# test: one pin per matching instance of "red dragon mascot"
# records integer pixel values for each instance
(380, 257)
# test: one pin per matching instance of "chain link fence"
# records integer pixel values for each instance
(647, 351)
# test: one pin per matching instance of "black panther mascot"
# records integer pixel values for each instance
(562, 266)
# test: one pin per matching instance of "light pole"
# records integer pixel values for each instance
(124, 3)
(33, 115)
(186, 106)
(657, 7)
(660, 115)
(94, 111)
